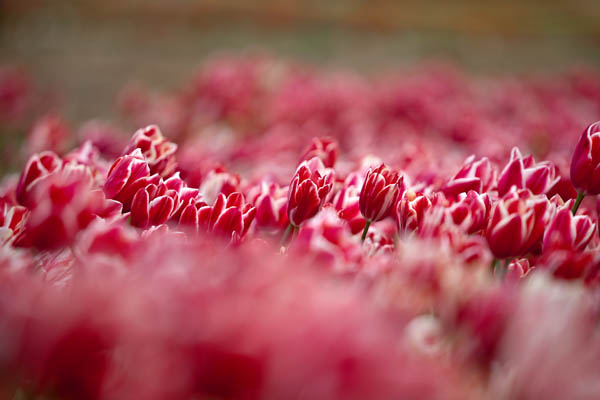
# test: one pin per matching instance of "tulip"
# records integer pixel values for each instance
(48, 133)
(410, 211)
(517, 269)
(471, 211)
(218, 180)
(309, 188)
(38, 167)
(153, 205)
(325, 148)
(270, 201)
(517, 223)
(229, 216)
(567, 231)
(126, 176)
(12, 221)
(158, 152)
(346, 203)
(524, 173)
(477, 175)
(585, 164)
(64, 204)
(378, 195)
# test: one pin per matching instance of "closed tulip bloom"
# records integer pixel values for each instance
(517, 223)
(585, 164)
(379, 193)
(309, 188)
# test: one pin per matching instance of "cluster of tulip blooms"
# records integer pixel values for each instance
(262, 249)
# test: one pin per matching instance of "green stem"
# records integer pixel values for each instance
(364, 234)
(580, 196)
(286, 234)
(494, 264)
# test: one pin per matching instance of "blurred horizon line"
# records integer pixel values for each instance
(490, 17)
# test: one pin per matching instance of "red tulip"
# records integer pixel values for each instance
(346, 203)
(567, 231)
(477, 175)
(64, 204)
(218, 180)
(471, 211)
(229, 216)
(128, 174)
(12, 221)
(325, 148)
(585, 164)
(309, 188)
(517, 269)
(158, 152)
(517, 223)
(38, 167)
(379, 193)
(270, 201)
(569, 264)
(410, 211)
(524, 173)
(153, 205)
(48, 133)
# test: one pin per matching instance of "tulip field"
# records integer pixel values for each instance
(272, 230)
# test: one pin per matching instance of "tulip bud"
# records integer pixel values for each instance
(309, 188)
(585, 164)
(379, 193)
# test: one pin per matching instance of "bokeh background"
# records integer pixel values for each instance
(82, 52)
